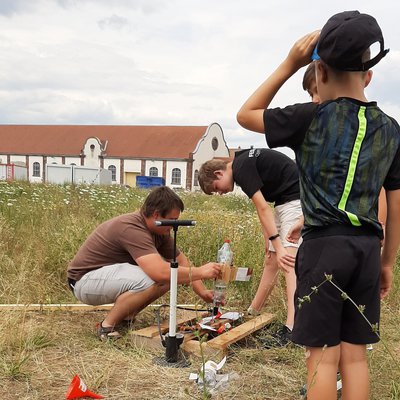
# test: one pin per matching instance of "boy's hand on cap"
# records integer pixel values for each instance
(300, 54)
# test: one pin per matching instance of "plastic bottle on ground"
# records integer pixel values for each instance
(224, 256)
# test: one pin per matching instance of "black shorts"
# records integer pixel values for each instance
(354, 263)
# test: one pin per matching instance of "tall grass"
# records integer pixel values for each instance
(42, 227)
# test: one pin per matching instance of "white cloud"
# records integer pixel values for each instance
(114, 22)
(175, 62)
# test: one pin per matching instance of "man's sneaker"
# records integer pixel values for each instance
(280, 338)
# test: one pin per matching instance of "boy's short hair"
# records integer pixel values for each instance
(309, 76)
(207, 176)
(345, 38)
(161, 199)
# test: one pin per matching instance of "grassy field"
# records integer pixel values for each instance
(42, 226)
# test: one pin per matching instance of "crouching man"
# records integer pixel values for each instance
(126, 261)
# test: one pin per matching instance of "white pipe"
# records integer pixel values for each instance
(172, 301)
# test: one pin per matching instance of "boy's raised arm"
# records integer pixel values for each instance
(250, 115)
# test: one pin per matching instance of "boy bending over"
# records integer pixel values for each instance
(266, 176)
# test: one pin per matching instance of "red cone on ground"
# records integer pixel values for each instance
(77, 389)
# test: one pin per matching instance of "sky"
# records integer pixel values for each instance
(165, 62)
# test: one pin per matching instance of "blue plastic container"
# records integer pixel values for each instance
(146, 182)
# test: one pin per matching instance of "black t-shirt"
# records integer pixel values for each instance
(270, 171)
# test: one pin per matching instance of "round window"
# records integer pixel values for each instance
(214, 143)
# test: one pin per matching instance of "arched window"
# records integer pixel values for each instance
(153, 171)
(36, 169)
(196, 178)
(176, 176)
(214, 143)
(113, 170)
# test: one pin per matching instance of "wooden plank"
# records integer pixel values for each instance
(54, 307)
(68, 307)
(217, 346)
(152, 331)
(239, 332)
(192, 347)
(147, 342)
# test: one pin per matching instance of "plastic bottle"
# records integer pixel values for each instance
(209, 376)
(224, 256)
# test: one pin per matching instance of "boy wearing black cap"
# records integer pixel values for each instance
(346, 150)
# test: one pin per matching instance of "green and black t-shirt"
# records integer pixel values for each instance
(346, 150)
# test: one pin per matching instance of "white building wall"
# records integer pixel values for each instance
(182, 165)
(117, 163)
(132, 166)
(33, 159)
(54, 160)
(153, 163)
(3, 159)
(205, 151)
(72, 160)
(92, 151)
(14, 159)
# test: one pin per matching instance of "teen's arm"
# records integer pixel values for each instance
(198, 285)
(266, 217)
(294, 233)
(160, 270)
(382, 207)
(250, 115)
(382, 212)
(392, 240)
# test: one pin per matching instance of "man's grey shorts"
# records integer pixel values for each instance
(104, 285)
(286, 215)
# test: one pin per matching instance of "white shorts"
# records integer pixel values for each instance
(286, 215)
(104, 285)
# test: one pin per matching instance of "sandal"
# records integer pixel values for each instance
(126, 323)
(105, 333)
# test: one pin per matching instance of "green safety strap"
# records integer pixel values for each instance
(362, 127)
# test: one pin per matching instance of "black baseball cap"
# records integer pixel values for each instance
(344, 39)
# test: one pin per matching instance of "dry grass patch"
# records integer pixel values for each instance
(41, 228)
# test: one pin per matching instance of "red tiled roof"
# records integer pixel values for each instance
(123, 141)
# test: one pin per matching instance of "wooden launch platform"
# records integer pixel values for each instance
(150, 336)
